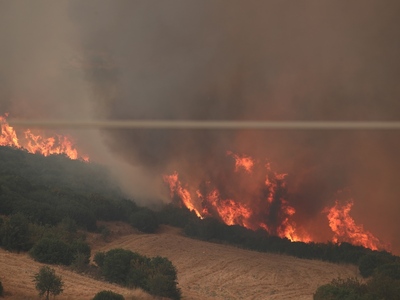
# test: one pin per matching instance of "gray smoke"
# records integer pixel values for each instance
(223, 60)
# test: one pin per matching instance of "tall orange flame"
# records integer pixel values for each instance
(248, 200)
(176, 187)
(35, 143)
(234, 211)
(346, 230)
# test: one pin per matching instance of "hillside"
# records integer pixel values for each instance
(17, 271)
(205, 270)
(215, 271)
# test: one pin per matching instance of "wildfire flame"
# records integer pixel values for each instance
(246, 199)
(346, 230)
(240, 209)
(35, 143)
(176, 188)
(242, 161)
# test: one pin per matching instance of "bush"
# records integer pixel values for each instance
(99, 258)
(389, 270)
(145, 220)
(368, 263)
(342, 289)
(16, 234)
(81, 251)
(157, 275)
(384, 287)
(108, 295)
(116, 265)
(52, 251)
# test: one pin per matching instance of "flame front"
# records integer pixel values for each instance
(256, 204)
(252, 195)
(35, 143)
(346, 230)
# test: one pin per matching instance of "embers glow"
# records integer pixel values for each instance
(35, 143)
(346, 230)
(242, 161)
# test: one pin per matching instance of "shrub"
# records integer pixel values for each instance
(99, 258)
(108, 295)
(157, 275)
(81, 250)
(389, 270)
(384, 287)
(16, 234)
(116, 265)
(145, 220)
(339, 289)
(52, 251)
(369, 262)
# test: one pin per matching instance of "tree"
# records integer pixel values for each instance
(368, 263)
(16, 235)
(108, 295)
(47, 282)
(116, 265)
(52, 251)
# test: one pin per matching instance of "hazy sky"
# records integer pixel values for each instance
(220, 59)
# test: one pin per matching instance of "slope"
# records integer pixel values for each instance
(216, 271)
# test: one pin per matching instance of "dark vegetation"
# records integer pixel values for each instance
(383, 284)
(1, 290)
(48, 283)
(155, 275)
(108, 295)
(44, 202)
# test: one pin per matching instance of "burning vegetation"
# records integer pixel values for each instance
(38, 143)
(254, 196)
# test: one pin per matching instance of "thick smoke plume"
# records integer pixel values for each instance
(222, 60)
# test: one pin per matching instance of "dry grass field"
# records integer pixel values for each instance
(205, 270)
(215, 271)
(17, 271)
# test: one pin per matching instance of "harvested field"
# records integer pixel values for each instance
(215, 271)
(17, 271)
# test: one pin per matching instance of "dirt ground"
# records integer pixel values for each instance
(215, 271)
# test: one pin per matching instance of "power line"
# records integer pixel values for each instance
(190, 124)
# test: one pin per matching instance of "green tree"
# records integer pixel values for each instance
(47, 282)
(52, 251)
(108, 295)
(162, 279)
(116, 265)
(16, 234)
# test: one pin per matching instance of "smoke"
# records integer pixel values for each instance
(221, 60)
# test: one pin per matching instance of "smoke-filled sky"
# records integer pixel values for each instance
(220, 60)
